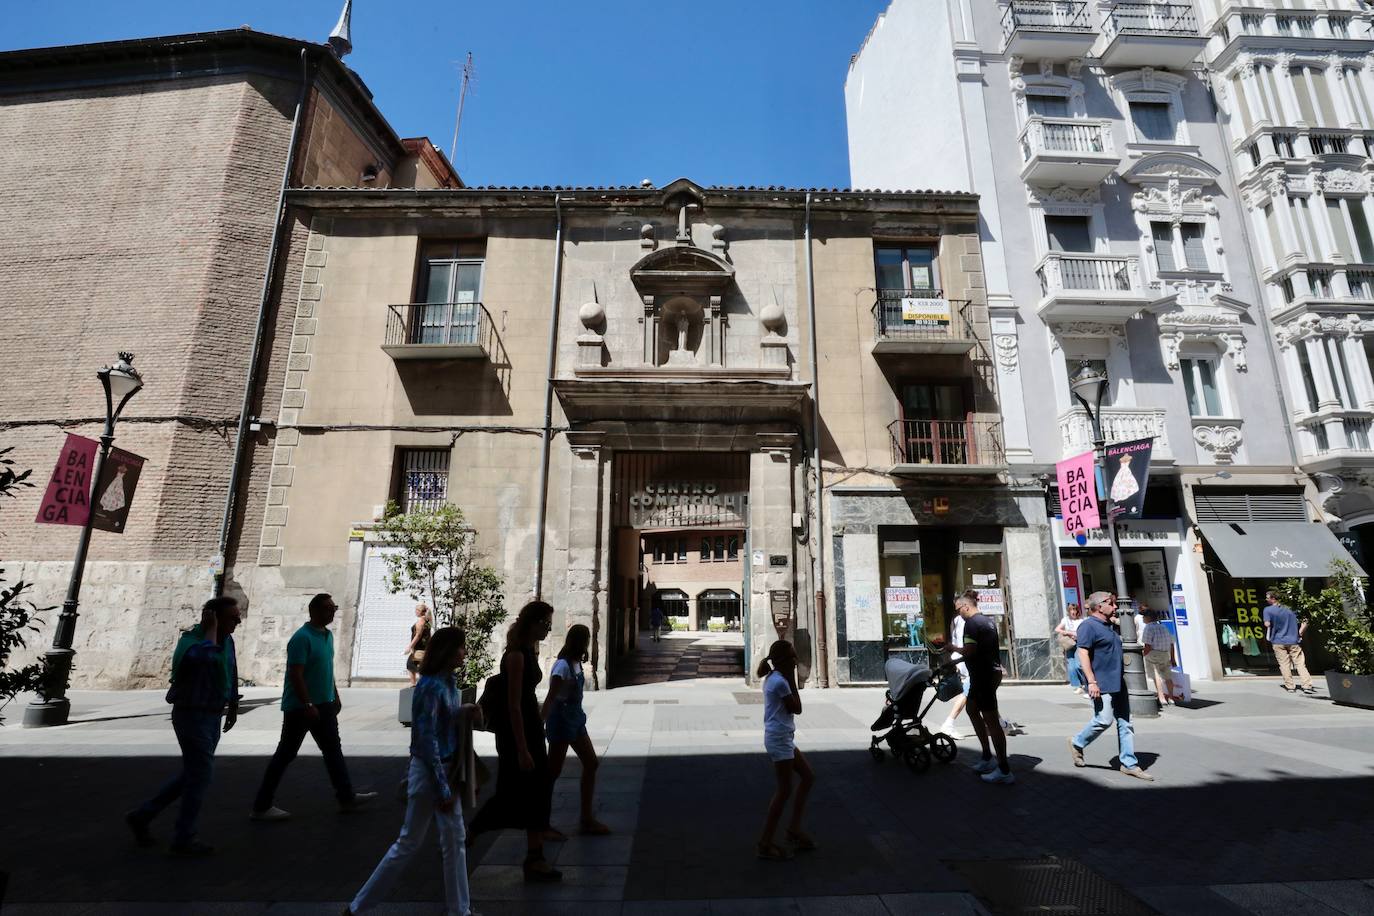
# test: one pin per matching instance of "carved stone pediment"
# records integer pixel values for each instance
(1217, 323)
(682, 270)
(1159, 168)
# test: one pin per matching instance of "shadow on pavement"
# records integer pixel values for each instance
(882, 828)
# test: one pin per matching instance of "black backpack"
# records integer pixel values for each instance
(493, 702)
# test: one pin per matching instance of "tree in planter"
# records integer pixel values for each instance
(438, 562)
(1340, 616)
(18, 616)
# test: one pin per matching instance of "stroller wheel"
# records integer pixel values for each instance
(944, 748)
(918, 759)
(877, 752)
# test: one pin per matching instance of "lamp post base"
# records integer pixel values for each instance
(1144, 702)
(42, 713)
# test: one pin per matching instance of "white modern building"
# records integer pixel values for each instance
(1118, 228)
(1295, 86)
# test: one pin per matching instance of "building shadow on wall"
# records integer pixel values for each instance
(459, 387)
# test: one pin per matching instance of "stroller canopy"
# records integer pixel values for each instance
(904, 677)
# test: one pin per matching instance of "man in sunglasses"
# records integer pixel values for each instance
(1099, 652)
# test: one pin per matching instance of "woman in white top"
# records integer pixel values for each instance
(781, 704)
(565, 722)
(1067, 629)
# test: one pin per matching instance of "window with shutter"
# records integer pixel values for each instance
(1069, 233)
(1194, 245)
(1152, 121)
(1163, 235)
(1217, 505)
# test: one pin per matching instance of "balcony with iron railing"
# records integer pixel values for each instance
(1097, 286)
(1047, 29)
(1067, 151)
(438, 330)
(1150, 35)
(972, 447)
(921, 321)
(1119, 424)
(1266, 144)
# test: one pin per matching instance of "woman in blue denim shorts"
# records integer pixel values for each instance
(565, 721)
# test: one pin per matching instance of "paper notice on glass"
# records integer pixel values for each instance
(990, 602)
(467, 295)
(981, 580)
(904, 601)
(896, 581)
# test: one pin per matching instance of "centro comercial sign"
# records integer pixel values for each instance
(685, 503)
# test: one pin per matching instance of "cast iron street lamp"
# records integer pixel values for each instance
(1088, 386)
(121, 382)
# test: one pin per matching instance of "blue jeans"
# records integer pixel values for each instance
(295, 725)
(198, 733)
(422, 797)
(1120, 711)
(1076, 678)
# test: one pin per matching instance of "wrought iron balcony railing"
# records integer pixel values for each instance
(920, 315)
(957, 443)
(437, 330)
(1150, 19)
(1046, 15)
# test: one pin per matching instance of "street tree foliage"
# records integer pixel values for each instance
(1339, 614)
(19, 617)
(438, 562)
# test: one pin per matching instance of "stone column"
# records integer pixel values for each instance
(1360, 376)
(650, 322)
(770, 534)
(1321, 373)
(587, 549)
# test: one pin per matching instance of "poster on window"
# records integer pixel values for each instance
(1071, 575)
(1127, 469)
(991, 602)
(903, 601)
(115, 490)
(930, 313)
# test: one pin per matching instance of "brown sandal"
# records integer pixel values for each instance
(800, 841)
(594, 828)
(773, 852)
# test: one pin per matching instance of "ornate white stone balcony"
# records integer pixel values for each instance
(1119, 424)
(1150, 35)
(1047, 29)
(1072, 151)
(1100, 287)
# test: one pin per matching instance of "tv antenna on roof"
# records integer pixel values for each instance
(468, 70)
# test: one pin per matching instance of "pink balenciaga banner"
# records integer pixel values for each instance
(1078, 493)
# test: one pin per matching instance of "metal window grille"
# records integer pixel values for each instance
(1214, 505)
(424, 479)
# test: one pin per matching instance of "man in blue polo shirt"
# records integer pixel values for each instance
(310, 705)
(1099, 652)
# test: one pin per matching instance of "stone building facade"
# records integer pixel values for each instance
(677, 324)
(144, 222)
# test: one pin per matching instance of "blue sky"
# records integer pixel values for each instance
(566, 92)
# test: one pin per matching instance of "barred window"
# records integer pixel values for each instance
(423, 479)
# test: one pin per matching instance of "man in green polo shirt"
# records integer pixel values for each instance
(310, 704)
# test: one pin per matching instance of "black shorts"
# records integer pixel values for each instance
(982, 692)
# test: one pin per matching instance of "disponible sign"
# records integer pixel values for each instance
(1077, 496)
(67, 501)
(932, 313)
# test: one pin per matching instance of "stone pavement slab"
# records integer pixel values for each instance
(684, 783)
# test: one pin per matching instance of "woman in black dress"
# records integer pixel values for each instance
(524, 790)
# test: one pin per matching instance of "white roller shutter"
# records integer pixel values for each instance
(384, 622)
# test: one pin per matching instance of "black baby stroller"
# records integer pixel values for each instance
(906, 735)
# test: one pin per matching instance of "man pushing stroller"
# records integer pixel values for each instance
(980, 654)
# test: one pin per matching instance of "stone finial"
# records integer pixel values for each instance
(718, 242)
(591, 314)
(646, 236)
(772, 318)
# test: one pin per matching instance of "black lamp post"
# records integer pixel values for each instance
(1089, 385)
(121, 382)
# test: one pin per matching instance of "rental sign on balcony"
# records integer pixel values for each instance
(1078, 494)
(927, 313)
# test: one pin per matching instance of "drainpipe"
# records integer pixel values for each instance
(822, 658)
(231, 497)
(548, 394)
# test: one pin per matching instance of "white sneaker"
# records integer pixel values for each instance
(1079, 691)
(948, 729)
(984, 767)
(997, 776)
(271, 814)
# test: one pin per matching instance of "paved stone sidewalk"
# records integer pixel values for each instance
(684, 785)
